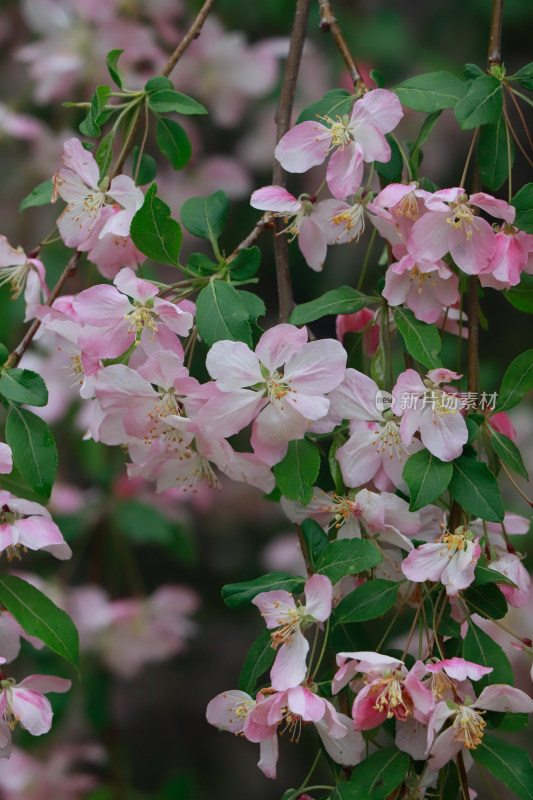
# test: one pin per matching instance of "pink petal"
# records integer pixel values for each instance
(303, 147)
(500, 697)
(318, 596)
(289, 668)
(274, 198)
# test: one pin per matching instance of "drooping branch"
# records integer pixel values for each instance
(495, 34)
(283, 123)
(192, 34)
(330, 24)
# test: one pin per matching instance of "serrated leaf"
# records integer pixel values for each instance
(34, 449)
(505, 449)
(245, 264)
(259, 658)
(41, 195)
(507, 762)
(521, 296)
(431, 92)
(173, 142)
(524, 76)
(40, 617)
(23, 386)
(343, 300)
(488, 601)
(481, 648)
(154, 232)
(315, 537)
(206, 216)
(336, 102)
(482, 104)
(368, 601)
(523, 202)
(146, 171)
(517, 381)
(427, 477)
(163, 98)
(297, 472)
(104, 154)
(347, 557)
(494, 149)
(379, 774)
(222, 314)
(242, 593)
(422, 340)
(476, 489)
(112, 67)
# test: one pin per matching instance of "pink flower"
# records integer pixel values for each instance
(353, 141)
(424, 287)
(395, 210)
(451, 559)
(25, 702)
(6, 459)
(288, 378)
(362, 321)
(281, 613)
(467, 725)
(28, 525)
(511, 256)
(451, 225)
(302, 217)
(22, 273)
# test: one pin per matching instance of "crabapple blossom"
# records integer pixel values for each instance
(25, 525)
(22, 273)
(451, 559)
(363, 321)
(353, 140)
(395, 210)
(25, 702)
(288, 379)
(511, 256)
(302, 217)
(6, 459)
(436, 413)
(343, 222)
(281, 613)
(424, 287)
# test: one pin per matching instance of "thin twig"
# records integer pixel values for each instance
(283, 123)
(329, 24)
(67, 273)
(192, 34)
(253, 236)
(516, 486)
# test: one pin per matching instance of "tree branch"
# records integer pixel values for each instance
(495, 34)
(192, 33)
(329, 24)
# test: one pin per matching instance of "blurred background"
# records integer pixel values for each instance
(144, 582)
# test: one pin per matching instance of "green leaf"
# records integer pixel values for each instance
(507, 762)
(523, 202)
(297, 472)
(474, 429)
(200, 264)
(484, 575)
(378, 78)
(34, 449)
(521, 296)
(488, 601)
(315, 537)
(476, 489)
(347, 557)
(482, 104)
(23, 386)
(431, 92)
(368, 601)
(505, 449)
(472, 71)
(379, 774)
(517, 381)
(481, 648)
(259, 658)
(391, 171)
(96, 114)
(146, 171)
(242, 593)
(104, 154)
(524, 76)
(423, 135)
(493, 152)
(335, 103)
(255, 306)
(245, 264)
(112, 67)
(173, 142)
(422, 340)
(154, 232)
(427, 477)
(163, 98)
(40, 617)
(41, 195)
(343, 300)
(222, 314)
(206, 216)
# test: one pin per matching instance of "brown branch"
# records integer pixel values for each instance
(283, 123)
(192, 33)
(68, 272)
(266, 221)
(495, 34)
(473, 334)
(329, 24)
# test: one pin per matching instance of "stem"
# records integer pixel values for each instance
(68, 272)
(143, 143)
(473, 334)
(516, 486)
(313, 767)
(469, 157)
(283, 123)
(128, 143)
(321, 656)
(495, 34)
(520, 114)
(329, 24)
(463, 780)
(253, 236)
(192, 33)
(366, 259)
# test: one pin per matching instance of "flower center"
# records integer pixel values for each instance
(289, 621)
(393, 699)
(352, 221)
(338, 132)
(420, 278)
(407, 207)
(462, 219)
(468, 727)
(16, 276)
(387, 440)
(141, 317)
